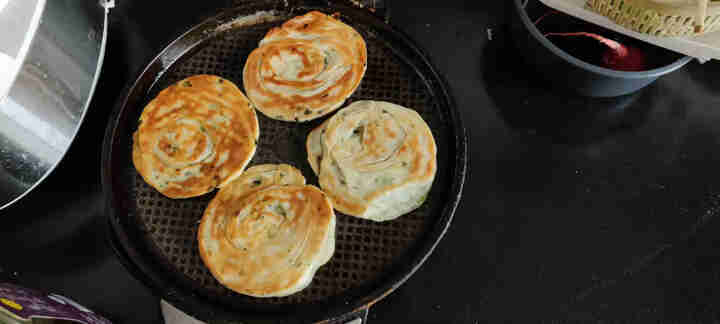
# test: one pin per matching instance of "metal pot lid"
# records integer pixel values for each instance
(18, 23)
(50, 58)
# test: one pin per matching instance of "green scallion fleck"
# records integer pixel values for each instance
(422, 199)
(385, 181)
(281, 211)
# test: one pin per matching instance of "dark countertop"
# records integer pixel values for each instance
(573, 208)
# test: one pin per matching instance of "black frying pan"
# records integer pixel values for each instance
(155, 236)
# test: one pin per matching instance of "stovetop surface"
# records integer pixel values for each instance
(573, 207)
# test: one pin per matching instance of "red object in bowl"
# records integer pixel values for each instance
(617, 56)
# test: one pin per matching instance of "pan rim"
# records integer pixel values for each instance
(131, 257)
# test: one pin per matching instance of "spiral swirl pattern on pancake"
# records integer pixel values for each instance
(267, 242)
(260, 177)
(306, 68)
(375, 160)
(196, 135)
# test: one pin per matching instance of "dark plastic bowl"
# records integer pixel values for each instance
(568, 72)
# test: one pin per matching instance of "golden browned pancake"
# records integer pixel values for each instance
(270, 242)
(196, 135)
(375, 160)
(306, 68)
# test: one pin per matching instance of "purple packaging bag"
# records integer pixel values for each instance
(24, 304)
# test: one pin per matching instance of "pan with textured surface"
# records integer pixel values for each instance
(155, 236)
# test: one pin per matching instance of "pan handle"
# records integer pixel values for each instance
(379, 8)
(357, 317)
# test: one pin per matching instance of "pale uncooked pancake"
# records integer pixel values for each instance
(196, 135)
(271, 242)
(375, 160)
(306, 68)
